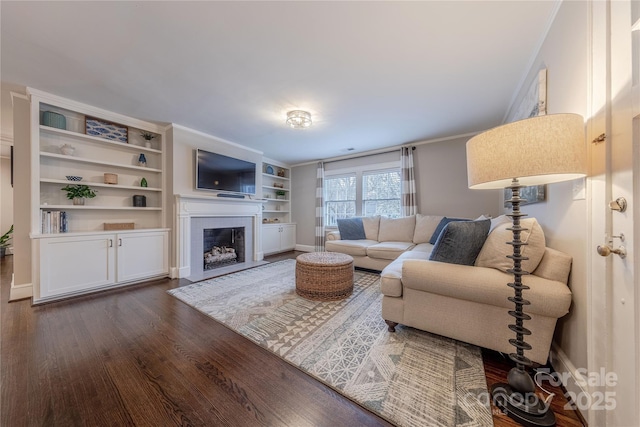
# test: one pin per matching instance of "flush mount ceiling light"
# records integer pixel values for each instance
(299, 119)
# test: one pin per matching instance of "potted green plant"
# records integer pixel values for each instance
(78, 193)
(281, 194)
(4, 241)
(148, 136)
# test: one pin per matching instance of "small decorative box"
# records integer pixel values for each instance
(118, 225)
(55, 120)
(110, 178)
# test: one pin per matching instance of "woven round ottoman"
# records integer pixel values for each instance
(324, 276)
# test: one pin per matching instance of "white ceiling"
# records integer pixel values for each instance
(373, 74)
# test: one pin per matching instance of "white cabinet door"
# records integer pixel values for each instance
(76, 264)
(270, 239)
(278, 238)
(287, 237)
(142, 255)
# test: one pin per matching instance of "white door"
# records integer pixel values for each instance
(625, 328)
(614, 359)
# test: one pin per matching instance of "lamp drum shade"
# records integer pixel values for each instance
(537, 150)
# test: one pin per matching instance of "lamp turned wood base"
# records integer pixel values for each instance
(392, 325)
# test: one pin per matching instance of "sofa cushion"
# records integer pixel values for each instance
(388, 250)
(397, 229)
(555, 265)
(371, 225)
(391, 276)
(349, 247)
(443, 222)
(499, 220)
(460, 242)
(484, 286)
(423, 247)
(351, 229)
(425, 226)
(495, 250)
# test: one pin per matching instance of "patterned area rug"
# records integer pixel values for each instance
(410, 378)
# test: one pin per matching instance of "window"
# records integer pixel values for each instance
(340, 198)
(381, 193)
(365, 192)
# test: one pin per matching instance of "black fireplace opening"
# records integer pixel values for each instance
(223, 247)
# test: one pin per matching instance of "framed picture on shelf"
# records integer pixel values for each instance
(105, 129)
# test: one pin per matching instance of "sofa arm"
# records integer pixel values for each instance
(333, 235)
(485, 285)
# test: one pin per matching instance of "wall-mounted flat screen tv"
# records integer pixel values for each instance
(216, 172)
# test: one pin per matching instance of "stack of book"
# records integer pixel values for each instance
(53, 222)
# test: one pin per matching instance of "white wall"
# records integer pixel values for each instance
(565, 55)
(6, 195)
(22, 189)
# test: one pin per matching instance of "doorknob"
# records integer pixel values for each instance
(608, 250)
(619, 204)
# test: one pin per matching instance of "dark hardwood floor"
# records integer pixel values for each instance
(137, 356)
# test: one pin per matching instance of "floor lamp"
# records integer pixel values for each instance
(534, 151)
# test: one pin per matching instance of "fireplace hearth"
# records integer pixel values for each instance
(223, 247)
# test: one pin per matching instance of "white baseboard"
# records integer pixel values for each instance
(179, 273)
(305, 248)
(572, 377)
(20, 291)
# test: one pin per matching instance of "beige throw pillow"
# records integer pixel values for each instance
(371, 225)
(397, 229)
(495, 250)
(425, 226)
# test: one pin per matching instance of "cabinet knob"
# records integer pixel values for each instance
(110, 243)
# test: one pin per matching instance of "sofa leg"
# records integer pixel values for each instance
(392, 325)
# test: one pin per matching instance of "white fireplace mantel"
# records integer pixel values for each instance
(187, 207)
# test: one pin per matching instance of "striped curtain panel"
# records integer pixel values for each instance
(409, 202)
(320, 207)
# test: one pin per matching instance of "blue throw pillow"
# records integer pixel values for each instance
(461, 242)
(351, 229)
(443, 222)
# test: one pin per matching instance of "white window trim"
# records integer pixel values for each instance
(359, 171)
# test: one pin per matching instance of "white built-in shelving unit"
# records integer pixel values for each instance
(89, 256)
(278, 233)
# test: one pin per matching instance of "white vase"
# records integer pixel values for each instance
(147, 144)
(78, 201)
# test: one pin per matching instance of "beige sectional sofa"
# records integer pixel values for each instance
(386, 239)
(465, 302)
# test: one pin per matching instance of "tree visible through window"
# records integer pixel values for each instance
(340, 198)
(366, 193)
(381, 193)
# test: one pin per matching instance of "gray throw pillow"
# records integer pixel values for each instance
(443, 222)
(351, 229)
(460, 242)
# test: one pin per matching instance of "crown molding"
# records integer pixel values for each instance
(206, 135)
(388, 149)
